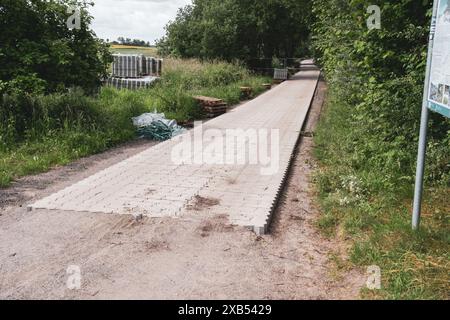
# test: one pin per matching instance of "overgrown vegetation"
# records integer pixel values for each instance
(367, 145)
(39, 131)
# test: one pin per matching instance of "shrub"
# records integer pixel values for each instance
(377, 77)
(38, 52)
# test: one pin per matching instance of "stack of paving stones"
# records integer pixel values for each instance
(130, 84)
(280, 75)
(246, 92)
(127, 66)
(213, 107)
(152, 66)
(134, 72)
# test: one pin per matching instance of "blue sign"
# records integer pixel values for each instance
(439, 89)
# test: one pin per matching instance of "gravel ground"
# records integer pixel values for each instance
(199, 256)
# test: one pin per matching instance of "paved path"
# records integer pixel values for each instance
(202, 169)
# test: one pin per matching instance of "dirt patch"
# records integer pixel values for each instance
(218, 224)
(201, 203)
(155, 245)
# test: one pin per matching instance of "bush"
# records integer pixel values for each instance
(29, 116)
(377, 77)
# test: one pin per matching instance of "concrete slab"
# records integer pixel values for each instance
(175, 176)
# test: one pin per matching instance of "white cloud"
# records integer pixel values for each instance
(136, 19)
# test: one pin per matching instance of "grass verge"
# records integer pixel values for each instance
(373, 212)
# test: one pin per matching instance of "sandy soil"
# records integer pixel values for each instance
(194, 257)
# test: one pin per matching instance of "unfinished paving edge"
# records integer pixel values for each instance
(150, 184)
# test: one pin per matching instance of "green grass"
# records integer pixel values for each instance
(40, 132)
(373, 210)
(32, 157)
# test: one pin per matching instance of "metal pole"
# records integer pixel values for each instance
(423, 129)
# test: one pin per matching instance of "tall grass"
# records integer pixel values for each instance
(37, 132)
(182, 80)
(372, 210)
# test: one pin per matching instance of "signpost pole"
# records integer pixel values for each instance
(423, 129)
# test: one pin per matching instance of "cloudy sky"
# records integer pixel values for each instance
(136, 19)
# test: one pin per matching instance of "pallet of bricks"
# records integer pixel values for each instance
(134, 72)
(213, 107)
(280, 75)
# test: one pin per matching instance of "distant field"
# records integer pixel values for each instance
(150, 52)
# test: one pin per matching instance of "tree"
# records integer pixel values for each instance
(132, 42)
(39, 53)
(379, 75)
(238, 29)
